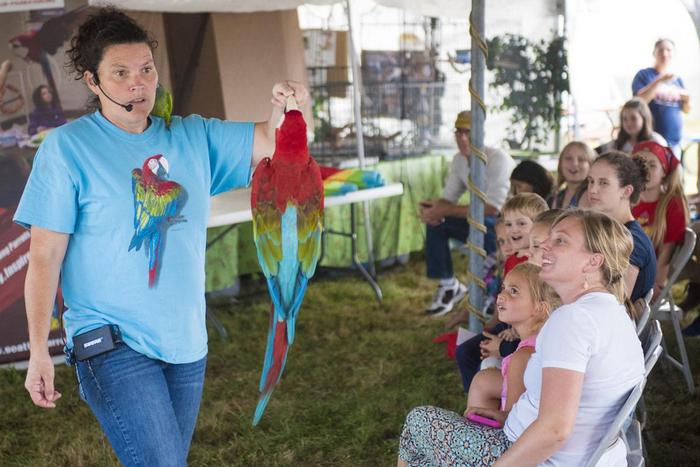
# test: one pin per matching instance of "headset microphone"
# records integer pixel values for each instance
(127, 107)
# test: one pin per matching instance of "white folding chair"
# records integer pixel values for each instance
(643, 313)
(626, 427)
(649, 296)
(608, 452)
(651, 346)
(632, 435)
(666, 309)
(651, 342)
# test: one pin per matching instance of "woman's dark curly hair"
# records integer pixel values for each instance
(629, 170)
(107, 27)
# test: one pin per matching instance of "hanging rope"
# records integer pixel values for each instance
(475, 190)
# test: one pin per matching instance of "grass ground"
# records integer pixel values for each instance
(354, 372)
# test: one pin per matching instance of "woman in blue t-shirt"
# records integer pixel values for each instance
(665, 93)
(615, 182)
(125, 261)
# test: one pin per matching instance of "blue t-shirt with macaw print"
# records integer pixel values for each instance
(135, 204)
(665, 106)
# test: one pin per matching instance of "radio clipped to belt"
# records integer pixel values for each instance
(98, 341)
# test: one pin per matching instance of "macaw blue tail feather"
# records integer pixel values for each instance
(302, 283)
(275, 360)
(136, 242)
(153, 254)
(269, 350)
(260, 408)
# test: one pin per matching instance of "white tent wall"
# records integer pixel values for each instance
(610, 41)
(255, 50)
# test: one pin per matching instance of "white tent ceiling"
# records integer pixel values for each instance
(424, 7)
(218, 6)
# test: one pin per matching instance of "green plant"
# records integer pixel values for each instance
(532, 76)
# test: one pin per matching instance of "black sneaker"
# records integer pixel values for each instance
(693, 329)
(692, 297)
(446, 298)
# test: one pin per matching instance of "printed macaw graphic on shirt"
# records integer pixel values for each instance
(646, 221)
(157, 202)
(668, 95)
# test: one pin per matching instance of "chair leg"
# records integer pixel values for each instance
(642, 412)
(635, 444)
(675, 320)
(673, 313)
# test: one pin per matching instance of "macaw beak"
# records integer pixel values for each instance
(159, 166)
(16, 47)
(164, 165)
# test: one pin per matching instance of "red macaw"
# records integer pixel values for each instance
(50, 36)
(287, 205)
(39, 44)
(156, 202)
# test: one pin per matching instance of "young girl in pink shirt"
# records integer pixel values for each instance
(525, 303)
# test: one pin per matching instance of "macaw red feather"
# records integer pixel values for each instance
(287, 206)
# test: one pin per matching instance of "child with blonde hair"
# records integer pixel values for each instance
(540, 232)
(493, 273)
(662, 210)
(492, 347)
(518, 214)
(525, 303)
(574, 162)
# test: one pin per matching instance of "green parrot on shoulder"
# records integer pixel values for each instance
(163, 106)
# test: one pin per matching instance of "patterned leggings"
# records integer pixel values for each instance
(433, 436)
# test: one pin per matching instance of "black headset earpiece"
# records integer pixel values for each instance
(96, 80)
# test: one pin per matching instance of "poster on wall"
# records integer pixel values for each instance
(395, 83)
(36, 95)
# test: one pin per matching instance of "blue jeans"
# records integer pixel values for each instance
(437, 244)
(147, 408)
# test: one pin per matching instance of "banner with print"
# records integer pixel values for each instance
(36, 94)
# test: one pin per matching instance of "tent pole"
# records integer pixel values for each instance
(477, 198)
(357, 107)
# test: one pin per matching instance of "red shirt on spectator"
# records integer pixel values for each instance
(512, 261)
(645, 213)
